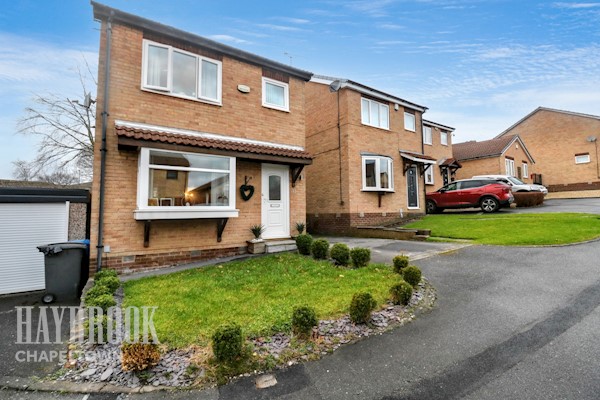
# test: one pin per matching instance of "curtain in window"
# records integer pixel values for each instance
(209, 80)
(370, 179)
(384, 178)
(274, 94)
(158, 65)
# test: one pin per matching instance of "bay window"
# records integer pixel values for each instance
(179, 73)
(377, 174)
(178, 185)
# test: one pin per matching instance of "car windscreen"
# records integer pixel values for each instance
(516, 181)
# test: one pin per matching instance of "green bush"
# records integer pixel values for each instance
(303, 242)
(319, 249)
(94, 321)
(361, 307)
(227, 342)
(111, 282)
(304, 318)
(401, 293)
(105, 272)
(400, 262)
(103, 301)
(340, 253)
(95, 291)
(412, 275)
(360, 257)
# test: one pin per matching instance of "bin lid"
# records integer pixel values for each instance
(55, 248)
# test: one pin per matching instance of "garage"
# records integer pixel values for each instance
(30, 217)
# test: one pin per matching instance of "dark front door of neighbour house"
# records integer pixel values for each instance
(412, 187)
(446, 176)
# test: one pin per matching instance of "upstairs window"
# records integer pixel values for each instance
(582, 158)
(444, 138)
(375, 114)
(409, 122)
(377, 174)
(275, 94)
(427, 136)
(180, 73)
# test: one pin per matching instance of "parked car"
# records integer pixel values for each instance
(488, 194)
(517, 185)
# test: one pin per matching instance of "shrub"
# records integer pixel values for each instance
(103, 301)
(227, 342)
(95, 291)
(340, 254)
(319, 249)
(360, 257)
(257, 230)
(361, 306)
(111, 282)
(303, 242)
(300, 227)
(105, 272)
(139, 356)
(303, 320)
(401, 293)
(94, 321)
(400, 262)
(412, 275)
(528, 199)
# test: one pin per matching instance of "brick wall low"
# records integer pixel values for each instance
(346, 223)
(126, 264)
(574, 187)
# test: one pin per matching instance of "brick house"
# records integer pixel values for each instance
(370, 160)
(506, 155)
(437, 140)
(202, 141)
(565, 147)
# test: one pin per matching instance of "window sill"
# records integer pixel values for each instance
(428, 144)
(376, 127)
(273, 107)
(196, 99)
(377, 190)
(184, 213)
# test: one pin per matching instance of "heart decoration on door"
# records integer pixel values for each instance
(246, 191)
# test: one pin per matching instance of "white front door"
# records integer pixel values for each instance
(275, 201)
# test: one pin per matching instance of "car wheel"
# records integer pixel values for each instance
(48, 298)
(431, 208)
(489, 205)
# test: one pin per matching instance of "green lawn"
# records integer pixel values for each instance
(513, 229)
(258, 293)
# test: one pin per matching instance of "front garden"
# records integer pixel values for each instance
(257, 314)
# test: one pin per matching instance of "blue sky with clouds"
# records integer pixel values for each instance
(479, 65)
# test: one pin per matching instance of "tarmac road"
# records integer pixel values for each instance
(510, 323)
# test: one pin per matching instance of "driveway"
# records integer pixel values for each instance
(510, 323)
(589, 205)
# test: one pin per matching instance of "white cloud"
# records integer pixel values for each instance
(298, 21)
(575, 5)
(283, 28)
(228, 38)
(373, 8)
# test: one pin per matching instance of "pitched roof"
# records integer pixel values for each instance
(486, 148)
(550, 110)
(104, 12)
(207, 140)
(437, 125)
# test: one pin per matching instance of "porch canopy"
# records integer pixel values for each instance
(422, 161)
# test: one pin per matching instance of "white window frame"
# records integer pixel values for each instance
(525, 171)
(444, 138)
(413, 118)
(381, 108)
(167, 90)
(582, 159)
(510, 167)
(427, 135)
(429, 175)
(286, 94)
(146, 212)
(377, 187)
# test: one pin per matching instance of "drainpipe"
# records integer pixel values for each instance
(100, 245)
(339, 127)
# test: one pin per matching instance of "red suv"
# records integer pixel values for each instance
(484, 193)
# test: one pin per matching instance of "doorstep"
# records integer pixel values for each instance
(279, 245)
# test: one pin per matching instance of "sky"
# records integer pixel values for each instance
(478, 65)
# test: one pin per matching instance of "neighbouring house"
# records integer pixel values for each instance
(35, 214)
(202, 141)
(370, 161)
(437, 140)
(506, 155)
(564, 145)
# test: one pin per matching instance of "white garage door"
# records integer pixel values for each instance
(23, 227)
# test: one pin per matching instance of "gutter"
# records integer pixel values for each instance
(100, 245)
